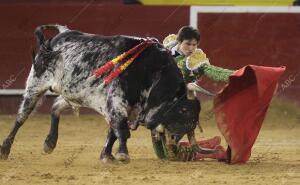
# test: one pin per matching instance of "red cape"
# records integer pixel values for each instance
(241, 106)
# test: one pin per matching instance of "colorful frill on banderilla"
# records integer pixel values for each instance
(116, 66)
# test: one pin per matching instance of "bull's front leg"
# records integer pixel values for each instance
(106, 155)
(122, 132)
(117, 112)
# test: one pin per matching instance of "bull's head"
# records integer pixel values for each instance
(181, 117)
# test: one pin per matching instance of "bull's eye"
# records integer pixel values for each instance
(182, 111)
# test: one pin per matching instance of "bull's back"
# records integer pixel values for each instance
(80, 55)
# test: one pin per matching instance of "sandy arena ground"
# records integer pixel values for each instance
(275, 156)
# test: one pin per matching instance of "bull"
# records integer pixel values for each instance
(152, 87)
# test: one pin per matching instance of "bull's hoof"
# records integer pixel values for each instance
(3, 156)
(122, 157)
(0, 153)
(47, 148)
(107, 158)
(3, 153)
(5, 150)
(49, 145)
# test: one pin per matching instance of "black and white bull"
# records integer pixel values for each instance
(152, 86)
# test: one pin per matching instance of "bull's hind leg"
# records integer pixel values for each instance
(30, 99)
(106, 155)
(57, 108)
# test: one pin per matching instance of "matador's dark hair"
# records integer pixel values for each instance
(188, 33)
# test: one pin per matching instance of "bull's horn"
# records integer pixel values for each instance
(197, 88)
(160, 128)
(196, 147)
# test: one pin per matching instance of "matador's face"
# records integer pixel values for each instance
(187, 47)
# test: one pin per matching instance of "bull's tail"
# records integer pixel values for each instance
(38, 33)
